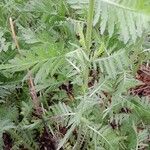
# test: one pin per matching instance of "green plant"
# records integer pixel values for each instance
(79, 60)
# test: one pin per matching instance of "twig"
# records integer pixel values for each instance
(13, 33)
(33, 93)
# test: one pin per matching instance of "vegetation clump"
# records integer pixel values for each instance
(74, 75)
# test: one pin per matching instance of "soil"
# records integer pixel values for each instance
(46, 141)
(7, 141)
(143, 75)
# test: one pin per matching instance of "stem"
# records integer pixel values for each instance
(89, 24)
(33, 93)
(88, 41)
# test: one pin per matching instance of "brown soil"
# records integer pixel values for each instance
(143, 75)
(46, 141)
(7, 141)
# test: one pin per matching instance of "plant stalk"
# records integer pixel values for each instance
(89, 24)
(33, 93)
(88, 41)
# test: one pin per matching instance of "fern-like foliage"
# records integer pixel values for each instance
(126, 16)
(113, 64)
(83, 67)
(41, 62)
(4, 46)
(8, 116)
(6, 125)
